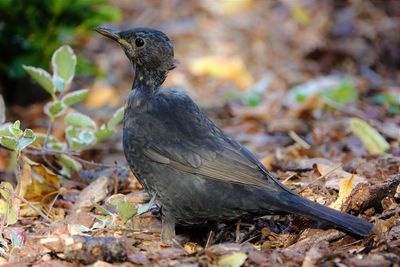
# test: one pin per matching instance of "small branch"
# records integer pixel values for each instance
(48, 132)
(74, 155)
(93, 163)
(299, 140)
(45, 151)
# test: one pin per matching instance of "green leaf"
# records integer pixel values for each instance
(116, 118)
(9, 142)
(64, 62)
(372, 140)
(103, 133)
(253, 98)
(15, 129)
(5, 129)
(236, 259)
(125, 209)
(70, 163)
(79, 138)
(391, 102)
(300, 98)
(55, 109)
(2, 110)
(80, 120)
(28, 133)
(41, 137)
(58, 146)
(86, 137)
(75, 97)
(27, 139)
(344, 93)
(43, 78)
(59, 83)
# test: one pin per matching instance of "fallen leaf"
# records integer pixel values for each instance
(345, 189)
(36, 182)
(268, 161)
(235, 259)
(335, 175)
(101, 95)
(223, 68)
(371, 138)
(228, 8)
(93, 193)
(191, 247)
(9, 205)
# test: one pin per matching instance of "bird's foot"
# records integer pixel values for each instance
(167, 231)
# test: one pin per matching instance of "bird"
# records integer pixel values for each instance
(196, 173)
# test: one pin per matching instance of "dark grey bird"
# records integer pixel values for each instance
(196, 172)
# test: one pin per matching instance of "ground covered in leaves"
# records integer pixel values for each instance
(311, 87)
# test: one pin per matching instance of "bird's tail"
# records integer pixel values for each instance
(304, 207)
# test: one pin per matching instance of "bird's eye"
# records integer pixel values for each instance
(139, 42)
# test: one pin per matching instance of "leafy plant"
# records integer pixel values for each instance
(81, 131)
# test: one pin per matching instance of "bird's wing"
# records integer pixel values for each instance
(195, 145)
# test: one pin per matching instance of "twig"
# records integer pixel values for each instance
(53, 202)
(73, 155)
(92, 163)
(299, 140)
(48, 132)
(251, 238)
(210, 235)
(289, 177)
(11, 192)
(320, 177)
(45, 151)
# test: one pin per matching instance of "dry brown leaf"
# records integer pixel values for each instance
(37, 182)
(223, 68)
(100, 95)
(268, 161)
(191, 247)
(335, 176)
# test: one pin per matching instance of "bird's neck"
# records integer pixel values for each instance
(148, 80)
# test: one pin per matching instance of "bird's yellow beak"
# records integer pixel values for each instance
(112, 34)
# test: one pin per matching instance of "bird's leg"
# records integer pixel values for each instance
(167, 230)
(238, 231)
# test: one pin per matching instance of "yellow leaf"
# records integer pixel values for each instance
(235, 259)
(222, 68)
(228, 7)
(372, 140)
(345, 188)
(300, 14)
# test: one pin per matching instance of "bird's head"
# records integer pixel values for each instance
(146, 48)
